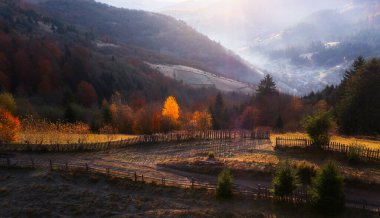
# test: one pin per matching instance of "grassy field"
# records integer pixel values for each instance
(64, 138)
(373, 144)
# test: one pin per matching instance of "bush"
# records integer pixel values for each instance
(9, 127)
(353, 153)
(326, 193)
(285, 180)
(318, 126)
(306, 171)
(224, 186)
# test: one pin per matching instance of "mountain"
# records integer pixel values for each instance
(146, 5)
(152, 31)
(52, 67)
(316, 51)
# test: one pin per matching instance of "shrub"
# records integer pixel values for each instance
(285, 180)
(224, 186)
(353, 153)
(326, 193)
(306, 171)
(9, 126)
(202, 120)
(318, 126)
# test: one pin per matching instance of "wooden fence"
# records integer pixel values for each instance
(145, 139)
(361, 151)
(292, 142)
(260, 192)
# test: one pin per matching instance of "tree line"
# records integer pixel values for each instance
(355, 102)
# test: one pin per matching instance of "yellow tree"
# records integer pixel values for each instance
(202, 120)
(171, 109)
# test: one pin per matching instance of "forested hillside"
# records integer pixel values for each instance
(152, 31)
(57, 66)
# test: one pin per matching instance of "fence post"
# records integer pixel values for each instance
(86, 167)
(142, 177)
(192, 183)
(108, 171)
(51, 165)
(135, 177)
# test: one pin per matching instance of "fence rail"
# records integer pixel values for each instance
(361, 151)
(144, 139)
(298, 197)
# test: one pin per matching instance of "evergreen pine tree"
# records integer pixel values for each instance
(266, 86)
(326, 193)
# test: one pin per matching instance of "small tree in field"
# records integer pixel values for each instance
(285, 180)
(202, 120)
(326, 193)
(224, 187)
(318, 127)
(9, 127)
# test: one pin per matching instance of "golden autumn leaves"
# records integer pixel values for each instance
(200, 120)
(171, 109)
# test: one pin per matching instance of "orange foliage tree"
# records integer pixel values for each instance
(202, 120)
(9, 126)
(171, 109)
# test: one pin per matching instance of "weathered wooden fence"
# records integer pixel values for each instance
(361, 151)
(260, 192)
(145, 139)
(292, 142)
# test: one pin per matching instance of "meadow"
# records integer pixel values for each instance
(37, 131)
(67, 138)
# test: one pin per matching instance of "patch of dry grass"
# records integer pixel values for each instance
(66, 138)
(372, 144)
